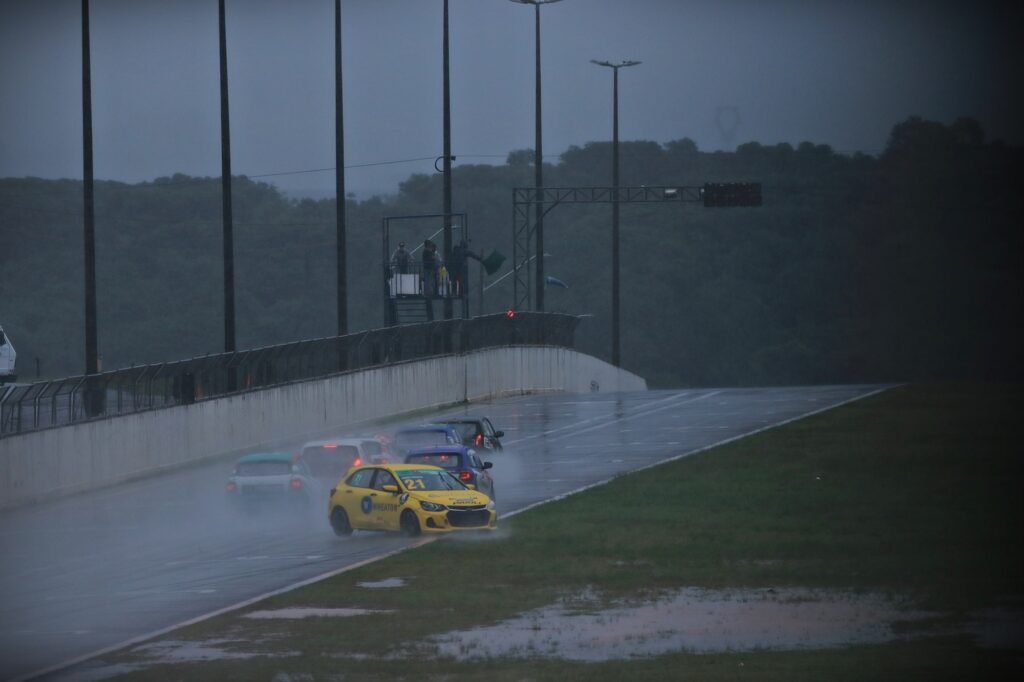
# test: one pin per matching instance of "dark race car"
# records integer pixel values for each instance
(462, 462)
(477, 432)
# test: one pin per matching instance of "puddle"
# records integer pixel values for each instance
(177, 651)
(93, 672)
(310, 612)
(693, 620)
(387, 582)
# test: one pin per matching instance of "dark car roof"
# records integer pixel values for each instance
(439, 450)
(424, 427)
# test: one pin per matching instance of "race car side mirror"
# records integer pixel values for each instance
(488, 465)
(389, 488)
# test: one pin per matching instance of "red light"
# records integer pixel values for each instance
(465, 475)
(479, 438)
(329, 446)
(444, 457)
(295, 483)
(357, 462)
(231, 487)
(510, 313)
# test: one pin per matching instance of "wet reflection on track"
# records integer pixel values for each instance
(93, 570)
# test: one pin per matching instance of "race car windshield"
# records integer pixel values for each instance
(466, 431)
(416, 439)
(429, 479)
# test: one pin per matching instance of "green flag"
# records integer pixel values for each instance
(493, 262)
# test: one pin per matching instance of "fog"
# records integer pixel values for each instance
(720, 73)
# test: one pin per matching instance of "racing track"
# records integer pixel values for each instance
(87, 572)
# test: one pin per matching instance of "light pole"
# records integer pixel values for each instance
(339, 179)
(225, 181)
(615, 202)
(538, 158)
(89, 233)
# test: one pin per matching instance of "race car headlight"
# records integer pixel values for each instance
(490, 505)
(431, 506)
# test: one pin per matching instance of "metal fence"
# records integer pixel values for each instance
(135, 389)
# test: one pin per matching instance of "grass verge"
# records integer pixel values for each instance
(912, 492)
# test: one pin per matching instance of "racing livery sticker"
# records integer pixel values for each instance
(366, 504)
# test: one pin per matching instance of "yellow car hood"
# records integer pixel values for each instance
(452, 498)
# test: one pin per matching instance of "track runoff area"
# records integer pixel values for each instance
(92, 573)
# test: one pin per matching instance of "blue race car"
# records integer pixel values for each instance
(462, 462)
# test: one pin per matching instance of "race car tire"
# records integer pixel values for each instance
(409, 524)
(340, 523)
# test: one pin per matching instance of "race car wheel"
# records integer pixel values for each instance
(339, 522)
(410, 524)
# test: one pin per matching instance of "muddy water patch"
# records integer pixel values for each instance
(383, 584)
(181, 651)
(692, 620)
(295, 613)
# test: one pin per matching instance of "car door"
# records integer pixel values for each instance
(384, 504)
(490, 435)
(355, 498)
(486, 483)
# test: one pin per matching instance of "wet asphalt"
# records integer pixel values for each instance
(87, 572)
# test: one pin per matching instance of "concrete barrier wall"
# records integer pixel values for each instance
(78, 457)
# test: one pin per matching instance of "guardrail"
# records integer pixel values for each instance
(47, 404)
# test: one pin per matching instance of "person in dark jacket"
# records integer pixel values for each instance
(430, 266)
(459, 268)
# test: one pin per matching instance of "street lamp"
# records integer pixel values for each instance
(538, 159)
(615, 201)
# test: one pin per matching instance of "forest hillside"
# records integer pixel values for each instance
(905, 266)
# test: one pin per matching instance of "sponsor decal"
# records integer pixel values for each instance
(468, 501)
(366, 504)
(385, 507)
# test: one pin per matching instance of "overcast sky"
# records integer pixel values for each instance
(830, 71)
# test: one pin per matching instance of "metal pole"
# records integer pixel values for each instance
(91, 353)
(615, 219)
(339, 175)
(538, 159)
(225, 162)
(447, 165)
(616, 356)
(538, 163)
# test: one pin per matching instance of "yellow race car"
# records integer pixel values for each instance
(411, 498)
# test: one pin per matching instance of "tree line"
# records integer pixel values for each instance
(900, 267)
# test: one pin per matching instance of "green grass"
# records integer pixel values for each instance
(913, 492)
